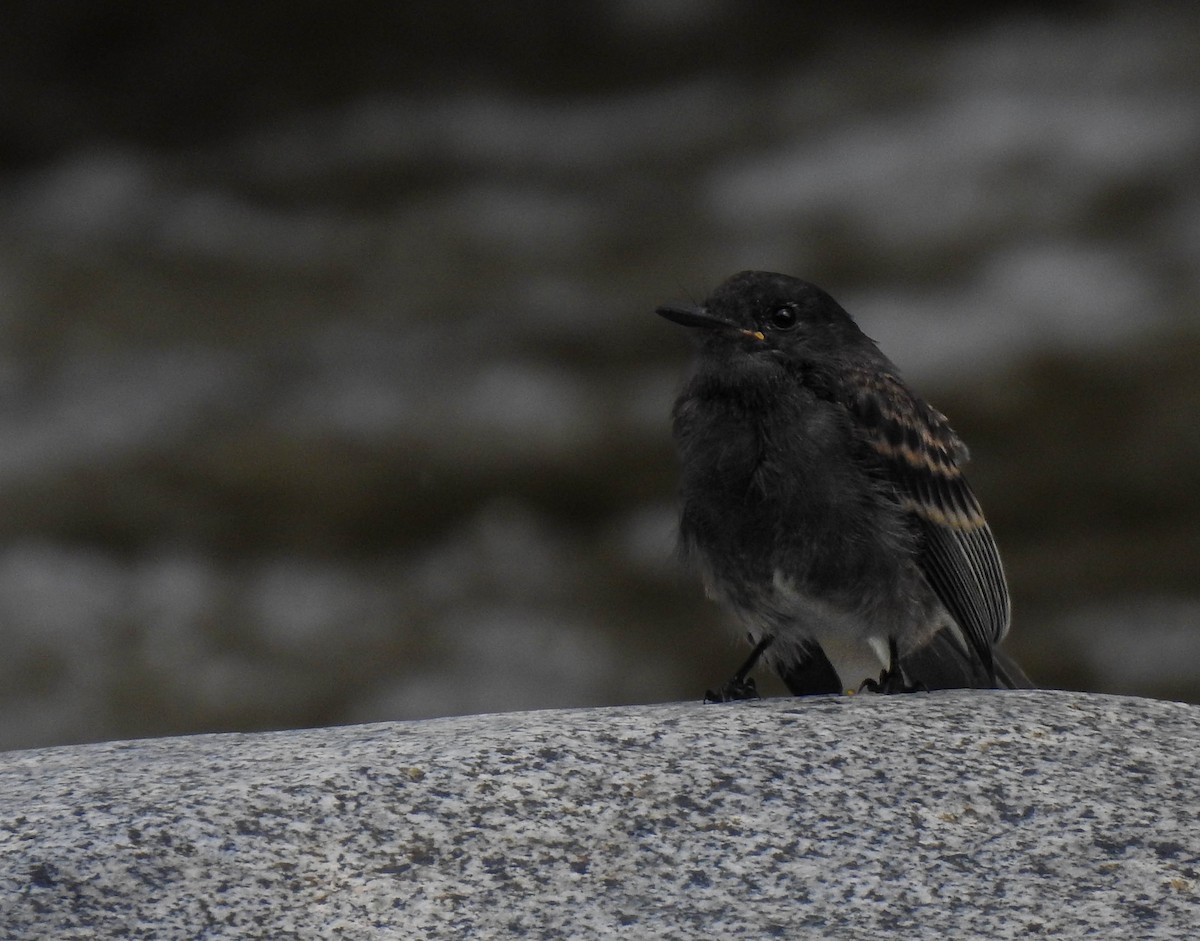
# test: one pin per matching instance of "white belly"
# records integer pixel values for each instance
(855, 639)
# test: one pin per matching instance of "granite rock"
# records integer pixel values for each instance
(963, 814)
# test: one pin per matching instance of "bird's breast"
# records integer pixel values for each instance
(780, 484)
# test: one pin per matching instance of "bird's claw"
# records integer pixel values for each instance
(735, 690)
(892, 680)
(889, 682)
(742, 685)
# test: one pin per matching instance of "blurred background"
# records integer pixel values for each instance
(331, 389)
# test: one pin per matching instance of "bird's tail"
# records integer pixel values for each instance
(1008, 674)
(945, 663)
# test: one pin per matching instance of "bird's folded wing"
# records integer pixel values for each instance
(920, 455)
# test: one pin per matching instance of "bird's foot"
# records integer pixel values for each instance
(742, 685)
(891, 679)
(889, 682)
(733, 691)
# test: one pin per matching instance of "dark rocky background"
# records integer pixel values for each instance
(330, 388)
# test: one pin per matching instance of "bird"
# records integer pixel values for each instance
(824, 504)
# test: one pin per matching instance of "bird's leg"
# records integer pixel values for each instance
(891, 679)
(742, 685)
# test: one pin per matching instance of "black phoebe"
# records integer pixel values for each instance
(824, 502)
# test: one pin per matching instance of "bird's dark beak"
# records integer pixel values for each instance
(700, 317)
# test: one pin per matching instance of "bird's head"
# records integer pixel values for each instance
(759, 312)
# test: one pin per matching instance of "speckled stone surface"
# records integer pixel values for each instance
(961, 815)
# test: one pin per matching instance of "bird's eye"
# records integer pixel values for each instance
(782, 318)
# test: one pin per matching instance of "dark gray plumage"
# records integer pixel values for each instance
(824, 501)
